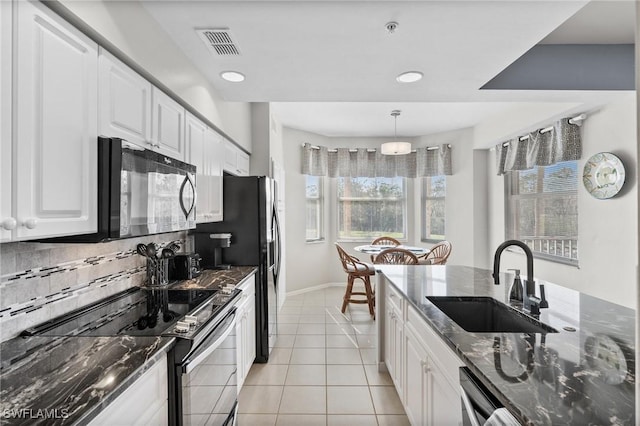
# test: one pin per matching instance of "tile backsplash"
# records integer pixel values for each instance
(39, 281)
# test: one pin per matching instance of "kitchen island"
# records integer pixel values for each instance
(583, 374)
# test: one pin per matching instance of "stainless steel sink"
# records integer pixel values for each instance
(487, 315)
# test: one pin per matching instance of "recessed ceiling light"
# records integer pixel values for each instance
(409, 77)
(232, 76)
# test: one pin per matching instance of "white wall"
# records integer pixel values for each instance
(128, 26)
(607, 229)
(308, 264)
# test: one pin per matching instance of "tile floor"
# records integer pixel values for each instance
(322, 370)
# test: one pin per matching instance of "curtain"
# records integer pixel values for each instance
(561, 143)
(364, 162)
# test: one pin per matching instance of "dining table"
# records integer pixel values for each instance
(377, 248)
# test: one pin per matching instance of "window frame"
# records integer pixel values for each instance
(320, 200)
(423, 217)
(403, 199)
(511, 181)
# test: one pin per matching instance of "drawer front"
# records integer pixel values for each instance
(394, 298)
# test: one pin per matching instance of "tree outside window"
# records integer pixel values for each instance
(371, 207)
(542, 210)
(434, 190)
(315, 208)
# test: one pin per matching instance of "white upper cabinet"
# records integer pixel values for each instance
(124, 101)
(55, 134)
(167, 125)
(7, 221)
(205, 151)
(236, 161)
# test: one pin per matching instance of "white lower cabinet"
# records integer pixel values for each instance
(246, 329)
(145, 402)
(393, 345)
(423, 368)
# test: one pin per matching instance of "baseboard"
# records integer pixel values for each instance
(314, 288)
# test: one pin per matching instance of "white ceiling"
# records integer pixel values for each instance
(329, 66)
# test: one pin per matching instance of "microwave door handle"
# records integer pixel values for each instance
(186, 212)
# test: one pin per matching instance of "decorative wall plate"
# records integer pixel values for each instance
(603, 175)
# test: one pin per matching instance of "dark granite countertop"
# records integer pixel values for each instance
(69, 380)
(210, 278)
(581, 377)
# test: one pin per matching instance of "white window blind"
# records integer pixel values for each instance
(315, 208)
(434, 191)
(542, 210)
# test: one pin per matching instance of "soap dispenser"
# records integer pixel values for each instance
(517, 290)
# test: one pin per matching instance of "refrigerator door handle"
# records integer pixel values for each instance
(276, 229)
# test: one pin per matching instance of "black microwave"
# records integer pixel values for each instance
(140, 192)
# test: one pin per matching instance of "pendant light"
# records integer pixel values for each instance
(396, 147)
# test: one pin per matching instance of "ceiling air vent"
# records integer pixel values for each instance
(219, 40)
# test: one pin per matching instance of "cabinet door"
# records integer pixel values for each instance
(214, 153)
(143, 403)
(230, 158)
(7, 221)
(250, 336)
(416, 384)
(443, 399)
(167, 125)
(56, 126)
(241, 332)
(243, 163)
(195, 142)
(124, 101)
(393, 346)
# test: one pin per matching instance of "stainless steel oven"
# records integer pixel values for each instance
(206, 379)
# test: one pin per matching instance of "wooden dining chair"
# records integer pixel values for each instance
(384, 241)
(438, 255)
(356, 269)
(396, 256)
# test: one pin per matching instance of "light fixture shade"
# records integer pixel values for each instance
(395, 148)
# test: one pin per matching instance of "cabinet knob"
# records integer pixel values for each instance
(9, 223)
(30, 223)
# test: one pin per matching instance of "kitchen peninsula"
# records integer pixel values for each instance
(583, 374)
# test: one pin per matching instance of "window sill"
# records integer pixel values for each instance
(320, 241)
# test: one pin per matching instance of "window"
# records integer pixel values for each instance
(371, 207)
(434, 190)
(542, 210)
(315, 208)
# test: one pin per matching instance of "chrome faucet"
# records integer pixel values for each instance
(529, 300)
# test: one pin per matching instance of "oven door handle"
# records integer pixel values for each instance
(200, 355)
(471, 412)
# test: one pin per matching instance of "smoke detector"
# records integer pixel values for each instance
(391, 27)
(219, 41)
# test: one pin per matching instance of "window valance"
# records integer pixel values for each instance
(363, 162)
(560, 143)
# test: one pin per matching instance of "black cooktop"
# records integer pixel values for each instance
(136, 312)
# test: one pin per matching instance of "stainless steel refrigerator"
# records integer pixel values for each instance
(251, 217)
